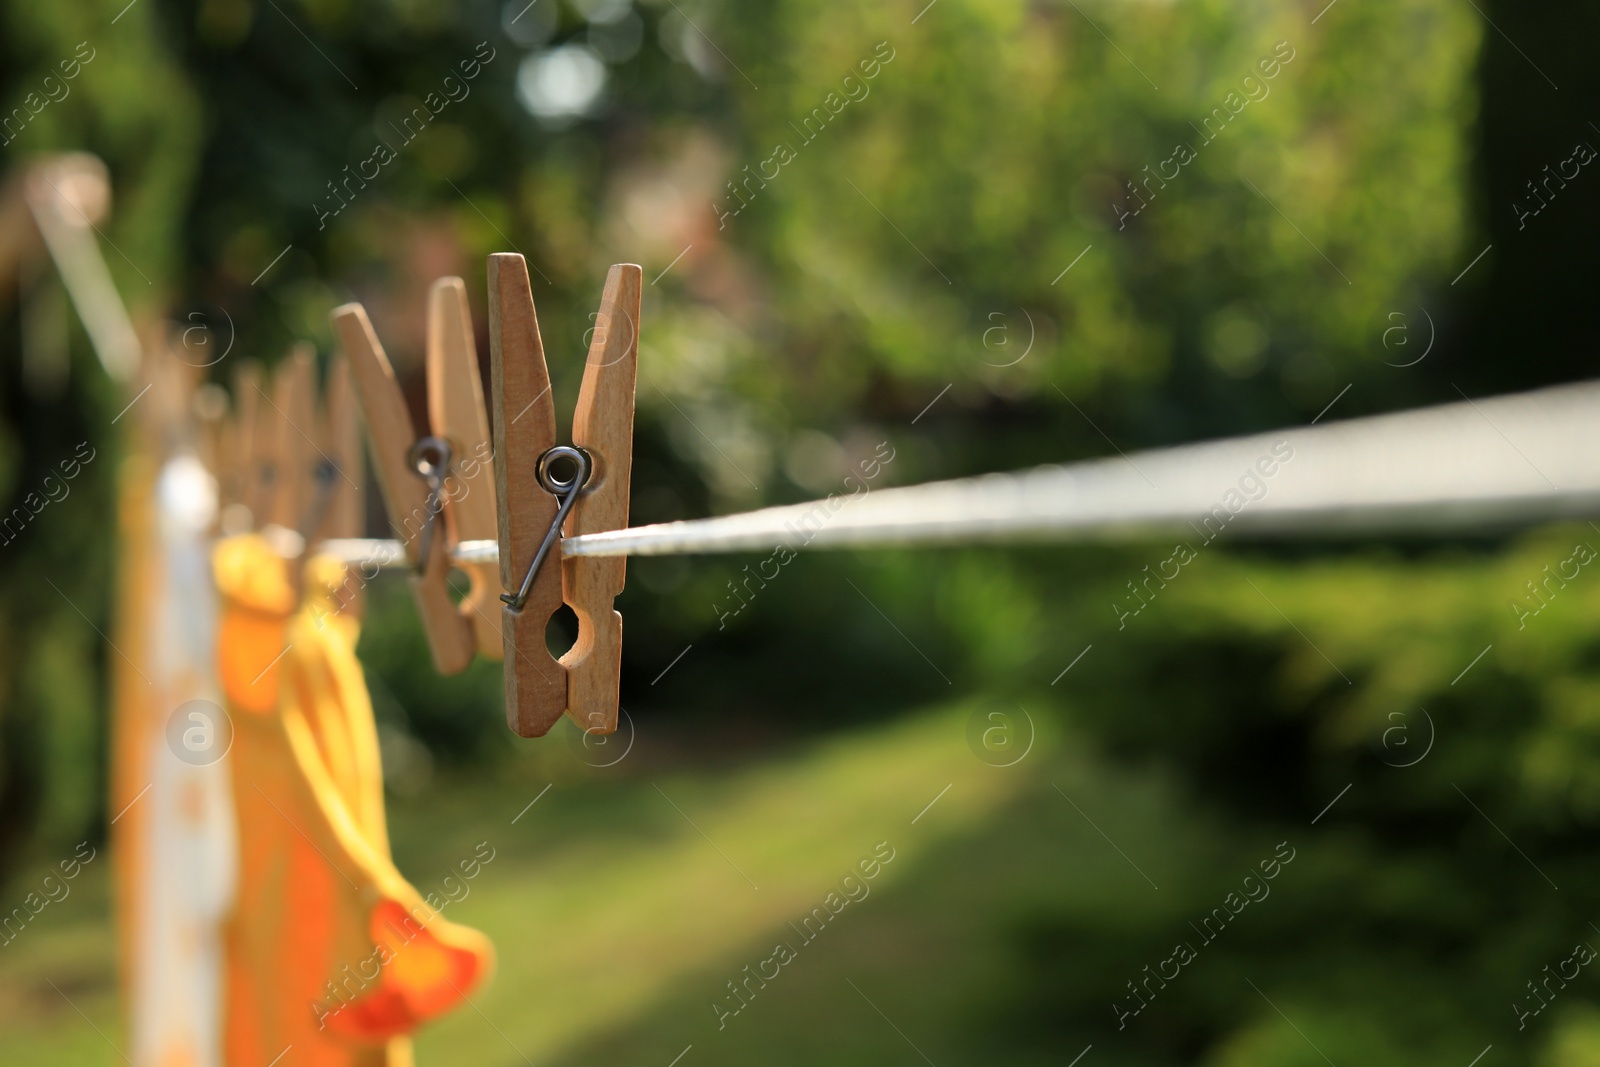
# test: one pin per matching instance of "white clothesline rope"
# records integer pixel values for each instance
(1476, 465)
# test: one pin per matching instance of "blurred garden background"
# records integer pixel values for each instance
(931, 226)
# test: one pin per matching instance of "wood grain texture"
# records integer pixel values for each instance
(455, 408)
(603, 427)
(524, 428)
(405, 495)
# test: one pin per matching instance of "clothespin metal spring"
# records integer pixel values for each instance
(430, 459)
(567, 490)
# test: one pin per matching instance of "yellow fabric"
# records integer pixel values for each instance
(331, 950)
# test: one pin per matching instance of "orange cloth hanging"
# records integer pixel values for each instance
(331, 950)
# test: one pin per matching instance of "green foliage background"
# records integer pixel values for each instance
(918, 243)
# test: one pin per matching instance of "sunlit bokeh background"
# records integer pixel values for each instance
(980, 235)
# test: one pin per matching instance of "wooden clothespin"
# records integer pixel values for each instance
(435, 487)
(244, 493)
(455, 408)
(338, 481)
(209, 407)
(289, 411)
(548, 491)
(267, 439)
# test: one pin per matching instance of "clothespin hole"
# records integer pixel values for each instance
(561, 632)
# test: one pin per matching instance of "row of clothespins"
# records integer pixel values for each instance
(290, 468)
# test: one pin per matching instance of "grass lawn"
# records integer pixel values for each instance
(624, 900)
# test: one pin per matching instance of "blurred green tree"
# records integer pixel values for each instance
(131, 104)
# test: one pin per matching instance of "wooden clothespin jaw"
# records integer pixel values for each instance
(428, 481)
(541, 501)
(269, 439)
(208, 406)
(230, 466)
(245, 495)
(289, 410)
(455, 408)
(337, 507)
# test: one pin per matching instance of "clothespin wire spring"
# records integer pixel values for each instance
(430, 459)
(567, 489)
